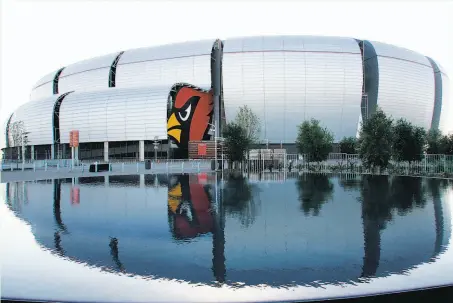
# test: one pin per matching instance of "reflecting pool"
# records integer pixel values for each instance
(209, 237)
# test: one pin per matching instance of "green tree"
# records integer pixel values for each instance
(314, 140)
(250, 122)
(236, 142)
(434, 142)
(408, 141)
(348, 145)
(447, 145)
(375, 140)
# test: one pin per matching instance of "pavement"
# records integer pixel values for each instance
(6, 175)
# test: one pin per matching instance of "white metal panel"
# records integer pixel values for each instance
(89, 64)
(291, 43)
(286, 88)
(406, 90)
(47, 78)
(295, 93)
(333, 91)
(96, 79)
(185, 49)
(330, 44)
(115, 115)
(274, 43)
(37, 118)
(232, 45)
(195, 70)
(446, 115)
(388, 50)
(43, 91)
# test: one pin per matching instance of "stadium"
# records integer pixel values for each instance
(129, 103)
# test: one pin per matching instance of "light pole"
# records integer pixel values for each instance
(215, 144)
(156, 147)
(24, 138)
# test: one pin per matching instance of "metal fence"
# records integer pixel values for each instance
(429, 165)
(123, 167)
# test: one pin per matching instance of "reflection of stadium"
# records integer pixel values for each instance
(127, 228)
(189, 208)
(122, 102)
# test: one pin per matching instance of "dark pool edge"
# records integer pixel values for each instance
(426, 294)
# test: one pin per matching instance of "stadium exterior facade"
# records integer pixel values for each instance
(123, 102)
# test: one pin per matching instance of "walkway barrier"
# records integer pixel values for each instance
(429, 165)
(99, 167)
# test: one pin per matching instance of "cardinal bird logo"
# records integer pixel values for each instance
(189, 209)
(190, 114)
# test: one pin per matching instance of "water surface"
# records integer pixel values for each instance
(328, 235)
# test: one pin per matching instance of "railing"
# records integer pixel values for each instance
(132, 166)
(430, 165)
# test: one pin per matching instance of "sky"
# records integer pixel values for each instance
(38, 37)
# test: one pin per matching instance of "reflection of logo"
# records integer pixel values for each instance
(75, 196)
(189, 208)
(191, 112)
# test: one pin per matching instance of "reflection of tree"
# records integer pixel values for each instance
(57, 242)
(115, 254)
(17, 195)
(375, 212)
(350, 182)
(406, 193)
(379, 199)
(314, 191)
(239, 199)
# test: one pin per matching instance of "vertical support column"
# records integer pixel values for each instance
(32, 152)
(142, 181)
(77, 153)
(217, 85)
(72, 157)
(52, 151)
(106, 181)
(106, 151)
(218, 236)
(141, 150)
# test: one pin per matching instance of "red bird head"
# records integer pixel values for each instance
(190, 115)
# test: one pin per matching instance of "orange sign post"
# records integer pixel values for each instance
(73, 143)
(75, 138)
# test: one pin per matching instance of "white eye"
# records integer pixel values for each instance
(185, 115)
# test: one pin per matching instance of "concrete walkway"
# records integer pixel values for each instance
(117, 169)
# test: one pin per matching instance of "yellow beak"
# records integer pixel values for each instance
(174, 132)
(174, 197)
